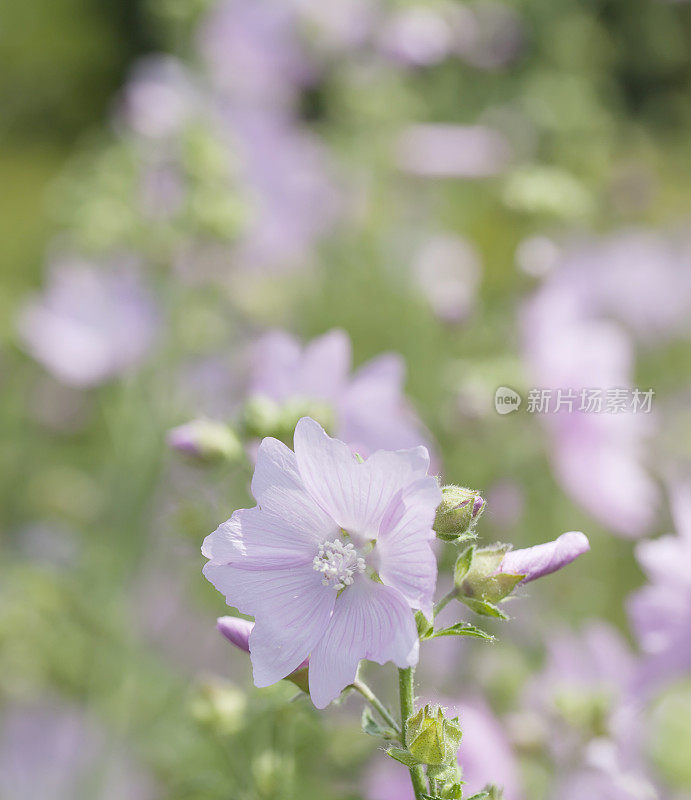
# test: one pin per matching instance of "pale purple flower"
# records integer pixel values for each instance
(54, 752)
(448, 271)
(370, 411)
(543, 559)
(485, 757)
(452, 151)
(90, 324)
(301, 561)
(661, 611)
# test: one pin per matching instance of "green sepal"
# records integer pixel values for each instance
(403, 756)
(462, 629)
(484, 608)
(425, 628)
(463, 564)
(372, 728)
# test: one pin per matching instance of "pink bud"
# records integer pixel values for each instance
(534, 562)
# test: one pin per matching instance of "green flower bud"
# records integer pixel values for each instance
(206, 440)
(219, 705)
(264, 417)
(477, 575)
(458, 513)
(432, 738)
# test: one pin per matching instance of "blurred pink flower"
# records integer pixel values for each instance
(159, 98)
(286, 173)
(91, 323)
(288, 563)
(252, 51)
(54, 752)
(369, 407)
(485, 756)
(448, 271)
(452, 151)
(597, 457)
(661, 611)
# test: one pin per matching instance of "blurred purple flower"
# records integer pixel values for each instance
(488, 35)
(543, 559)
(53, 752)
(640, 277)
(661, 611)
(286, 172)
(159, 98)
(452, 151)
(90, 324)
(596, 455)
(285, 561)
(369, 408)
(417, 35)
(448, 271)
(252, 51)
(485, 756)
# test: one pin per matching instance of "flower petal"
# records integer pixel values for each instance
(323, 371)
(278, 489)
(274, 360)
(369, 621)
(534, 562)
(256, 539)
(403, 553)
(354, 494)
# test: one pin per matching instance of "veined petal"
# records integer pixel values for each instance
(534, 562)
(354, 494)
(370, 621)
(282, 640)
(403, 553)
(256, 539)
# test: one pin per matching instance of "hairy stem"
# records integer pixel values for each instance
(446, 599)
(377, 705)
(405, 687)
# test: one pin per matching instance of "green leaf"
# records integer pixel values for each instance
(462, 629)
(403, 756)
(481, 796)
(484, 608)
(372, 728)
(463, 563)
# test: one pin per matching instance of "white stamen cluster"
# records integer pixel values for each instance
(338, 562)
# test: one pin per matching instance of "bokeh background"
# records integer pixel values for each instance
(497, 193)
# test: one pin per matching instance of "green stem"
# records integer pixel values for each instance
(405, 687)
(377, 705)
(446, 599)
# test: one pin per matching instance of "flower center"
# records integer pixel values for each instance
(338, 562)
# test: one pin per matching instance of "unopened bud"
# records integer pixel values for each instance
(265, 417)
(478, 578)
(237, 631)
(220, 705)
(458, 513)
(206, 440)
(432, 738)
